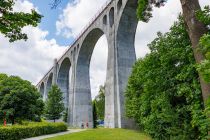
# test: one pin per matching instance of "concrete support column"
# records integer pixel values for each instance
(125, 58)
(82, 106)
(110, 85)
(71, 92)
(45, 91)
(124, 61)
(55, 71)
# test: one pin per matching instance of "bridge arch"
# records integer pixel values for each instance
(111, 17)
(49, 84)
(119, 5)
(63, 79)
(82, 93)
(41, 90)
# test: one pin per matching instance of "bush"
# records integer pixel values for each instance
(17, 132)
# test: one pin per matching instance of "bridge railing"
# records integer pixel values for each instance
(93, 19)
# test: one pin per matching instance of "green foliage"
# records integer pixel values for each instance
(12, 22)
(54, 104)
(17, 132)
(94, 116)
(144, 8)
(204, 66)
(65, 115)
(204, 15)
(163, 93)
(100, 103)
(19, 99)
(142, 12)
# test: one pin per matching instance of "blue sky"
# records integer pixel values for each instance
(50, 18)
(32, 59)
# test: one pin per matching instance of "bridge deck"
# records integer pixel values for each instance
(91, 22)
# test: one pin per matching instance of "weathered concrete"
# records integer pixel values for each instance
(118, 23)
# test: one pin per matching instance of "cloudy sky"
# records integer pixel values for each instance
(33, 58)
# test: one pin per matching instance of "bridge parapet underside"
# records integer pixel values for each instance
(118, 22)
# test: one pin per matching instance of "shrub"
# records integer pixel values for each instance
(17, 132)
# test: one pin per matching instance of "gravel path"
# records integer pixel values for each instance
(56, 134)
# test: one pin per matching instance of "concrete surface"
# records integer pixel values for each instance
(118, 22)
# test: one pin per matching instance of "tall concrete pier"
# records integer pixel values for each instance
(117, 21)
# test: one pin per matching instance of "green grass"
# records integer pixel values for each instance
(104, 134)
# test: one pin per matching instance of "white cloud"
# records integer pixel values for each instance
(75, 16)
(162, 19)
(30, 59)
(24, 6)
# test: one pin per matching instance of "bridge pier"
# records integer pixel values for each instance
(118, 22)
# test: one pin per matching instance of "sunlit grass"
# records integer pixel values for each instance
(104, 134)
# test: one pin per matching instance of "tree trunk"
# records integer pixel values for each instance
(195, 29)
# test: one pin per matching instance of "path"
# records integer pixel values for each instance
(56, 134)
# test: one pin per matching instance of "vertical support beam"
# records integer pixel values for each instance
(55, 71)
(82, 109)
(71, 91)
(125, 58)
(110, 85)
(45, 91)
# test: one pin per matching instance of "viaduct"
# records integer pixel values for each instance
(118, 22)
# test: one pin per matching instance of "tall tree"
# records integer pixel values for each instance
(54, 105)
(163, 93)
(11, 23)
(65, 115)
(19, 99)
(100, 103)
(195, 29)
(204, 67)
(94, 116)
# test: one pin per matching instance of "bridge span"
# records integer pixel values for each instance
(118, 22)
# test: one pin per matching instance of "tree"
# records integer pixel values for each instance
(65, 115)
(195, 29)
(94, 116)
(204, 66)
(54, 105)
(163, 93)
(100, 103)
(11, 23)
(19, 99)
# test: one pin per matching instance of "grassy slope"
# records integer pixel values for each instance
(104, 134)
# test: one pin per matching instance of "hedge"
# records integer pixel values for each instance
(18, 132)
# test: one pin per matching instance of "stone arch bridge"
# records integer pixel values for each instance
(118, 22)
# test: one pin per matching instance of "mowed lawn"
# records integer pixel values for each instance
(104, 134)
